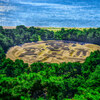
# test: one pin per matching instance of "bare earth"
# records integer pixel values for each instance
(51, 51)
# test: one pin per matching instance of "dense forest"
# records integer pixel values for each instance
(22, 34)
(48, 81)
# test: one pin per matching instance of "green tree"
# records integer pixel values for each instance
(2, 54)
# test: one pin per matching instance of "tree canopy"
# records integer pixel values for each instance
(48, 81)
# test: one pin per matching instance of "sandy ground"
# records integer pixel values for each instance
(48, 28)
(51, 51)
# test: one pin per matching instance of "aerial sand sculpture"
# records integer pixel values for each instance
(52, 51)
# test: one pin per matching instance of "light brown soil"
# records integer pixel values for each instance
(51, 51)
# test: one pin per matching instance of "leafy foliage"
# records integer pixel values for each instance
(22, 34)
(44, 81)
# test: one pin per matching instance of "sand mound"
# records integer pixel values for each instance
(51, 51)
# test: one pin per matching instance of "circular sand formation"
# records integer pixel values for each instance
(51, 51)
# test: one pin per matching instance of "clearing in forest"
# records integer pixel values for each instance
(52, 51)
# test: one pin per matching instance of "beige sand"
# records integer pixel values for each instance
(51, 51)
